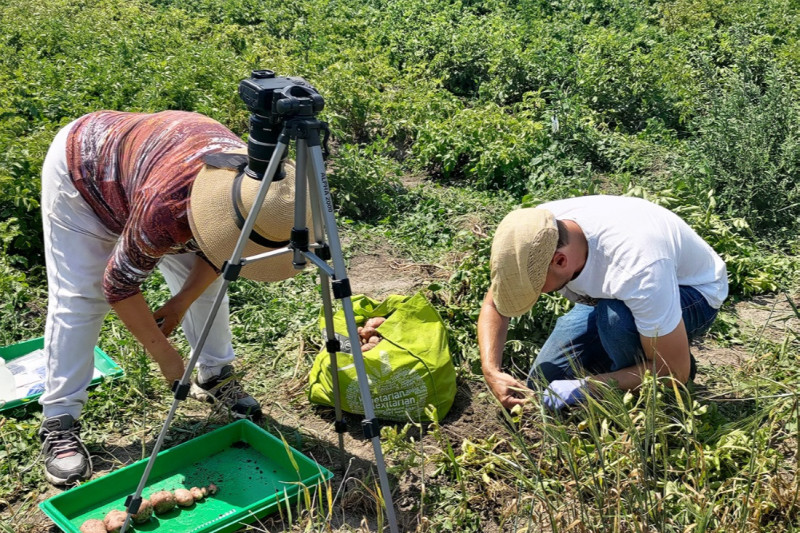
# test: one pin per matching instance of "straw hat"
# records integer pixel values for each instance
(213, 219)
(522, 249)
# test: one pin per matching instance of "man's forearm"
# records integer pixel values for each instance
(628, 378)
(492, 333)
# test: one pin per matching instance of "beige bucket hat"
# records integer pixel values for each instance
(522, 249)
(213, 219)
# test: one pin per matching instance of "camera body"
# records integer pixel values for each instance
(272, 100)
(275, 97)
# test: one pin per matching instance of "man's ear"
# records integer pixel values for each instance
(559, 260)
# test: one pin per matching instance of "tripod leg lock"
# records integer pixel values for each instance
(333, 345)
(299, 239)
(323, 252)
(371, 428)
(132, 504)
(340, 426)
(230, 271)
(341, 288)
(181, 391)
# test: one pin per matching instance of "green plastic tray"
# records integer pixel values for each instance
(254, 471)
(102, 362)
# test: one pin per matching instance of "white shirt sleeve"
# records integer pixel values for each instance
(654, 299)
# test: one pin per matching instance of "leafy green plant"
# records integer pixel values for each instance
(748, 149)
(364, 181)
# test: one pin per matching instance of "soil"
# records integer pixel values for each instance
(379, 275)
(763, 318)
(770, 316)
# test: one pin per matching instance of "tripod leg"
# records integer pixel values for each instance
(341, 290)
(333, 345)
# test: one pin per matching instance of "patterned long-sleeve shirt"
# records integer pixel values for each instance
(136, 171)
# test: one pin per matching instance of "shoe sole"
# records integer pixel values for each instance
(71, 480)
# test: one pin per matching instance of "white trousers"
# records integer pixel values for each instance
(77, 247)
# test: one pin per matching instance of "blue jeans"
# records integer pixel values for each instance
(603, 338)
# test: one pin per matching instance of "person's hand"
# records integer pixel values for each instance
(563, 392)
(508, 390)
(170, 315)
(171, 366)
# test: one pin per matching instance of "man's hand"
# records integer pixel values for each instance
(508, 390)
(492, 331)
(200, 276)
(563, 392)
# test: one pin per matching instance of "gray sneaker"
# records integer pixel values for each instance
(66, 459)
(224, 389)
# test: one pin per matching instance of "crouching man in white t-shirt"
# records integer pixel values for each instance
(643, 282)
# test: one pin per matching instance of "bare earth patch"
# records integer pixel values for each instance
(770, 316)
(378, 276)
(763, 318)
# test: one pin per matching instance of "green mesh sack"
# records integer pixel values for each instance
(408, 370)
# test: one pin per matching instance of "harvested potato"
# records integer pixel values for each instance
(114, 520)
(93, 526)
(368, 332)
(145, 512)
(163, 501)
(212, 489)
(374, 322)
(184, 498)
(197, 493)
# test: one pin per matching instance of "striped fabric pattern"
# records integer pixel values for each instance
(135, 170)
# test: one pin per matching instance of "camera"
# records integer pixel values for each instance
(271, 101)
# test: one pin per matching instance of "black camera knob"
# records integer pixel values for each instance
(263, 74)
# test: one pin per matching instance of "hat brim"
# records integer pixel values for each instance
(212, 218)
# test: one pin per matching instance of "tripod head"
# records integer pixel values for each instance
(271, 101)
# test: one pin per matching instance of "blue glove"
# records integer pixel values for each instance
(563, 392)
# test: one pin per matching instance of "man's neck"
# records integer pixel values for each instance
(581, 246)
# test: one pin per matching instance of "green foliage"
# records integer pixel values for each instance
(365, 181)
(661, 458)
(21, 308)
(486, 146)
(748, 149)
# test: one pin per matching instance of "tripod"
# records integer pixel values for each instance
(310, 178)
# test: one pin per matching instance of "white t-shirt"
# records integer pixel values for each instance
(640, 253)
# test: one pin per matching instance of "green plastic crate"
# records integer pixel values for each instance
(102, 362)
(254, 471)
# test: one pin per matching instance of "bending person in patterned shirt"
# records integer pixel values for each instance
(122, 194)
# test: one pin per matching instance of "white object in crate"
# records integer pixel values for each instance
(26, 376)
(8, 388)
